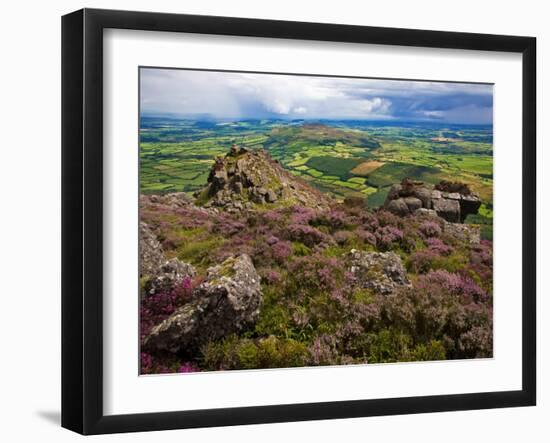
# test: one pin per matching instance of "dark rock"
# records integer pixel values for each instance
(446, 200)
(452, 187)
(218, 178)
(424, 195)
(355, 202)
(238, 187)
(469, 204)
(256, 197)
(408, 187)
(394, 191)
(225, 303)
(413, 203)
(382, 272)
(447, 209)
(270, 196)
(398, 207)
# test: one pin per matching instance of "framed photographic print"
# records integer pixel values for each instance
(269, 221)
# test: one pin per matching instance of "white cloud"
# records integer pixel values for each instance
(245, 95)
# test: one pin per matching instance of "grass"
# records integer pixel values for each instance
(367, 167)
(337, 166)
(342, 158)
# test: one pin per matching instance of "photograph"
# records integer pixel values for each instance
(303, 220)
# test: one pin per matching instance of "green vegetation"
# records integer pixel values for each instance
(338, 166)
(344, 158)
(314, 309)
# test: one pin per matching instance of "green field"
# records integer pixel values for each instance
(176, 155)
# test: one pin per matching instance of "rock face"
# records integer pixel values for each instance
(450, 201)
(467, 233)
(160, 274)
(383, 272)
(151, 256)
(172, 273)
(173, 200)
(246, 178)
(225, 303)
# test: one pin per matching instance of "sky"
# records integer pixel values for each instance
(233, 96)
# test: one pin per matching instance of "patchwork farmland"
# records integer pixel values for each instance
(344, 158)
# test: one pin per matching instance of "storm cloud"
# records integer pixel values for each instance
(230, 95)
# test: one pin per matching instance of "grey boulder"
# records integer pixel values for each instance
(151, 255)
(382, 272)
(171, 274)
(225, 303)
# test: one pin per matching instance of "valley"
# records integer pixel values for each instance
(344, 158)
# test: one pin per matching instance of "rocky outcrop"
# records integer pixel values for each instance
(243, 179)
(467, 233)
(173, 200)
(158, 273)
(382, 272)
(151, 256)
(412, 197)
(170, 274)
(225, 303)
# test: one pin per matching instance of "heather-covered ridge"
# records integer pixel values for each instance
(330, 282)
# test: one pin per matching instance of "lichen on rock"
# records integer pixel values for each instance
(382, 272)
(450, 201)
(246, 178)
(225, 303)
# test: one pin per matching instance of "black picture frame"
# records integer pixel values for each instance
(82, 219)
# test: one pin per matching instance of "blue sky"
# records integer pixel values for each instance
(228, 95)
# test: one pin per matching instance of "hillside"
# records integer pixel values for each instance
(341, 158)
(261, 270)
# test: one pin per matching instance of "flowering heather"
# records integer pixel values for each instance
(227, 226)
(342, 237)
(386, 218)
(301, 215)
(271, 240)
(366, 237)
(338, 219)
(281, 250)
(155, 308)
(308, 235)
(187, 367)
(272, 216)
(314, 309)
(369, 221)
(454, 283)
(437, 246)
(322, 351)
(430, 229)
(388, 237)
(271, 277)
(422, 261)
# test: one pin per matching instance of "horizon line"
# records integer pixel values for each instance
(175, 116)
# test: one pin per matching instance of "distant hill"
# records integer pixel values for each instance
(320, 134)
